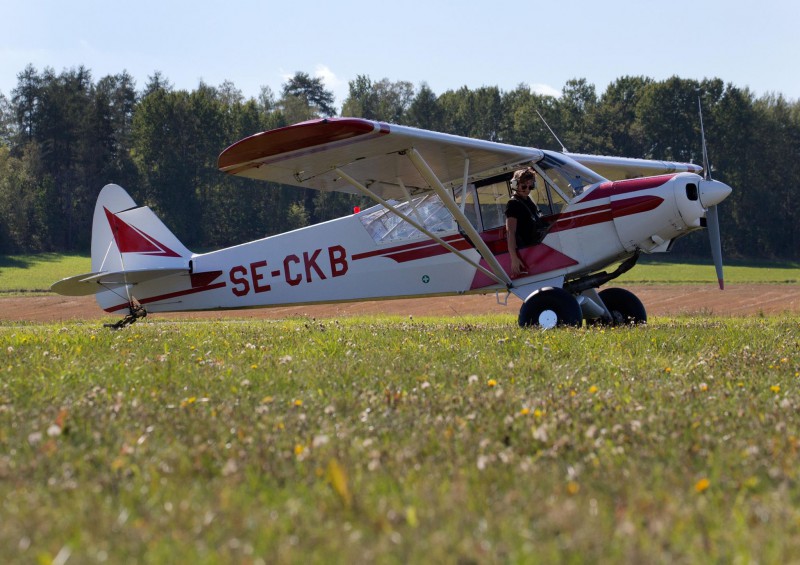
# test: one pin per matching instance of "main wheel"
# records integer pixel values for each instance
(550, 307)
(625, 307)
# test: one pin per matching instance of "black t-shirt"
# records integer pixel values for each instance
(528, 220)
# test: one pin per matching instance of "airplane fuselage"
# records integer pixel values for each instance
(341, 261)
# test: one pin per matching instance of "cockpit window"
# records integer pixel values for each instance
(385, 226)
(491, 196)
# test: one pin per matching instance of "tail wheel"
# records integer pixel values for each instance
(625, 307)
(550, 307)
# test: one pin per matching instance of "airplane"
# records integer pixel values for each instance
(437, 228)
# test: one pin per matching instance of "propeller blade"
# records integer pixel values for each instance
(712, 221)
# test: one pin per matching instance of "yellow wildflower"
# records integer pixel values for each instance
(702, 485)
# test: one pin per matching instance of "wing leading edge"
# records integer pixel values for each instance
(621, 168)
(308, 154)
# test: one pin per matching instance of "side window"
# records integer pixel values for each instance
(385, 226)
(539, 195)
(493, 199)
(548, 201)
(470, 210)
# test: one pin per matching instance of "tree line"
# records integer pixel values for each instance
(64, 135)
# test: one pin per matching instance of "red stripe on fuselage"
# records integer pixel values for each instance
(635, 205)
(412, 248)
(582, 218)
(608, 189)
(606, 212)
(430, 251)
(168, 296)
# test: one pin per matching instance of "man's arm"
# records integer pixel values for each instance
(517, 264)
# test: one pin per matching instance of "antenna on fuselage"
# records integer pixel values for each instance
(563, 149)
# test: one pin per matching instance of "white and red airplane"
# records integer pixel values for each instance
(437, 228)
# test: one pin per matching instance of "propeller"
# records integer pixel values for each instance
(712, 221)
(712, 193)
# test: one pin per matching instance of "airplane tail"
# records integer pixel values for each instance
(127, 237)
(130, 245)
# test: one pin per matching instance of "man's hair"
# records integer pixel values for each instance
(522, 175)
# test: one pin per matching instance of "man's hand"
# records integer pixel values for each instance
(518, 266)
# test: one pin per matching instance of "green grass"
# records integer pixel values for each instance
(659, 271)
(391, 440)
(35, 273)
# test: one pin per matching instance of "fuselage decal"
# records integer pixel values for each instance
(133, 240)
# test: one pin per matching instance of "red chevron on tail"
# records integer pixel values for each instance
(132, 240)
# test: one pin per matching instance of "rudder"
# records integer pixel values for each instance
(126, 236)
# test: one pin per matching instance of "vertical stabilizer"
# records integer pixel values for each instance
(129, 237)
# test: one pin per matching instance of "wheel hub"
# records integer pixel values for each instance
(548, 319)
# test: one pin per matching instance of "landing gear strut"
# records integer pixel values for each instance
(136, 311)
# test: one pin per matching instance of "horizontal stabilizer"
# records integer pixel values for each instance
(91, 283)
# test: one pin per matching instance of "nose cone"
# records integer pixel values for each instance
(712, 192)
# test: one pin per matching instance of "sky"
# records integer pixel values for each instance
(446, 44)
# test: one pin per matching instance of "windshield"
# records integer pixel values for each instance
(570, 177)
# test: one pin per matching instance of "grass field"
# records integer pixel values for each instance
(22, 274)
(392, 440)
(658, 270)
(35, 273)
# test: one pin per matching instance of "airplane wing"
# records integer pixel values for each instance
(621, 168)
(373, 153)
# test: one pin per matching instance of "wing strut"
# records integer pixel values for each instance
(464, 186)
(368, 193)
(434, 182)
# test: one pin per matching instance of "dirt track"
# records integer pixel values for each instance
(660, 300)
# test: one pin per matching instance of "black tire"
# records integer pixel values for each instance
(550, 307)
(626, 309)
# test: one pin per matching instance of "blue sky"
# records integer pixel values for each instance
(447, 44)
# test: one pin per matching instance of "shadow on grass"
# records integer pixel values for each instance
(15, 262)
(28, 261)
